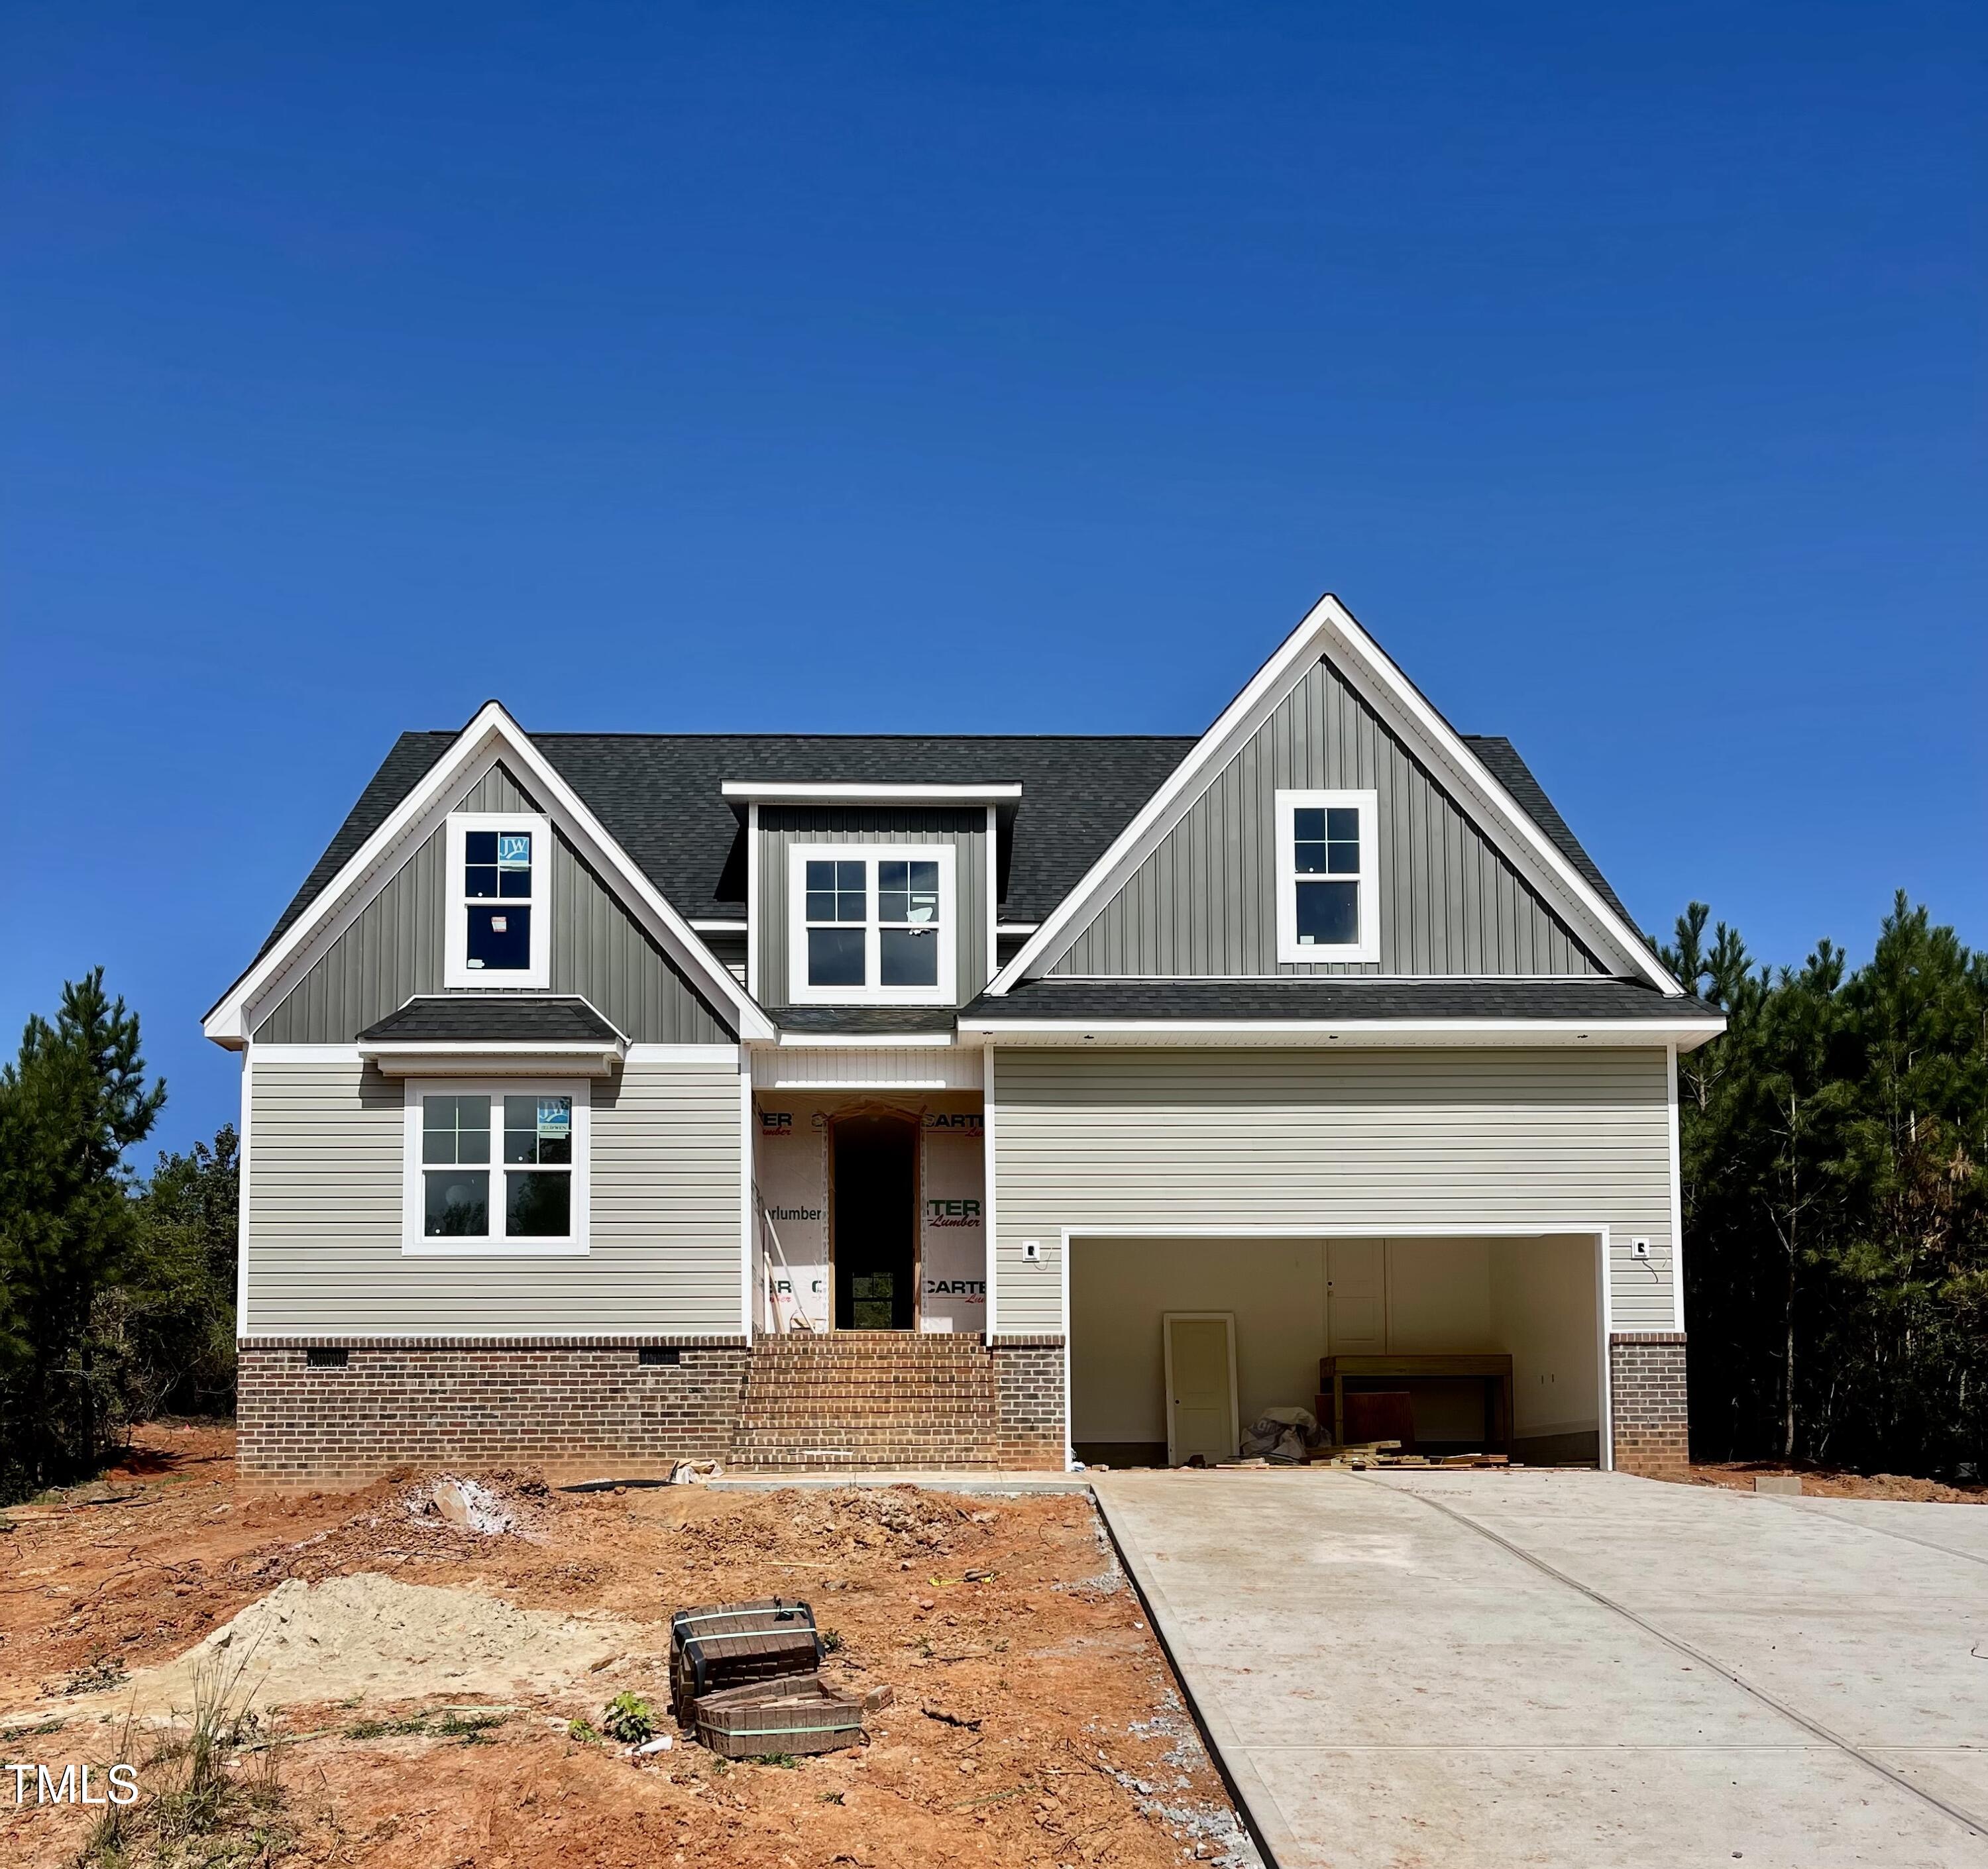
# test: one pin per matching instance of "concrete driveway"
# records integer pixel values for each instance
(1470, 1670)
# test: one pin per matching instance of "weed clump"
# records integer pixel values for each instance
(209, 1794)
(629, 1718)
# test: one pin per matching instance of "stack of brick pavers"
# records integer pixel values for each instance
(746, 1681)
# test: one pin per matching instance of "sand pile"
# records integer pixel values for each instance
(369, 1637)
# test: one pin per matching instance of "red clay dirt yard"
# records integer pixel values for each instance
(425, 1652)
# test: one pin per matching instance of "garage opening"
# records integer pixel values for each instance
(1418, 1305)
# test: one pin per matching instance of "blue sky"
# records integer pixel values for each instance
(1023, 368)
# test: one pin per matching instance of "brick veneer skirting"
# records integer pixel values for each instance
(579, 1407)
(1646, 1380)
(1028, 1395)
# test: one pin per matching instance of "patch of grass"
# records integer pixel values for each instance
(95, 1675)
(629, 1718)
(785, 1761)
(471, 1728)
(834, 1797)
(468, 1725)
(405, 1726)
(584, 1731)
(831, 1640)
(209, 1796)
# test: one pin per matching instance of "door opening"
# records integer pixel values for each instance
(1199, 1350)
(873, 1217)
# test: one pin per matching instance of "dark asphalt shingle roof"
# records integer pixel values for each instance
(880, 1021)
(658, 795)
(1502, 759)
(556, 1019)
(1346, 997)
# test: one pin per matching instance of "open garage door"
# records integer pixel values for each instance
(1535, 1298)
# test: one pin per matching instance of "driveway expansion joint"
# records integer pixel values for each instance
(1974, 1826)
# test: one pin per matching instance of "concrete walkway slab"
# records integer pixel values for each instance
(1581, 1668)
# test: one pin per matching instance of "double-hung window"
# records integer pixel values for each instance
(496, 1167)
(500, 900)
(871, 924)
(1328, 906)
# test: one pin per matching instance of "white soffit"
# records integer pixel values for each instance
(869, 1067)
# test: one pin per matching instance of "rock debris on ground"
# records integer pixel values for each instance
(1029, 1718)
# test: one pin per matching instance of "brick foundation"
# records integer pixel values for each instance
(1028, 1398)
(589, 1407)
(1646, 1379)
(582, 1408)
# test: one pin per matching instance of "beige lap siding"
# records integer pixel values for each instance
(1450, 1141)
(325, 1174)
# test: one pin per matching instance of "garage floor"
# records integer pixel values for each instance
(1574, 1667)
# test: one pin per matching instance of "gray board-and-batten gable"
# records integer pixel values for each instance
(783, 827)
(1204, 903)
(394, 951)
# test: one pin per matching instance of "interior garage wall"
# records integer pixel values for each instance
(1534, 1297)
(1542, 1311)
(1118, 1289)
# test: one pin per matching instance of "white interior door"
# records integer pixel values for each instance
(1357, 1297)
(1201, 1385)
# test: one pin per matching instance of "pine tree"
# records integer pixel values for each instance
(70, 1105)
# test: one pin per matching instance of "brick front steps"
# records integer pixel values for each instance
(851, 1399)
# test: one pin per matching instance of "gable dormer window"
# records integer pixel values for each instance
(498, 900)
(1328, 906)
(871, 924)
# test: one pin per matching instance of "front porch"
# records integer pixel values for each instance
(869, 1209)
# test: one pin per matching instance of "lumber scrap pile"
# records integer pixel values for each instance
(1357, 1457)
(745, 1680)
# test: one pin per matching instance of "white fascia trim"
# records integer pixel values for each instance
(1016, 927)
(1344, 1230)
(712, 1053)
(753, 931)
(1684, 1035)
(748, 1144)
(872, 1041)
(1383, 686)
(265, 1053)
(243, 1238)
(447, 1058)
(493, 736)
(1677, 1200)
(782, 792)
(717, 927)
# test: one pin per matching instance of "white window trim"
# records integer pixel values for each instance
(1367, 948)
(415, 1244)
(800, 992)
(456, 970)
